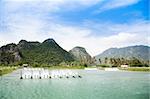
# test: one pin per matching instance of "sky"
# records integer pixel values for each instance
(95, 25)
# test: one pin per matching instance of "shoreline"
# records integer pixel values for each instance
(136, 69)
(6, 70)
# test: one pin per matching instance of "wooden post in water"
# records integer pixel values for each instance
(39, 74)
(21, 75)
(79, 76)
(31, 74)
(49, 74)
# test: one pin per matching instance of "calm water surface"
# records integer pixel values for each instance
(93, 85)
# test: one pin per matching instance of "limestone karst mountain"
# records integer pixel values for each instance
(47, 52)
(81, 55)
(9, 54)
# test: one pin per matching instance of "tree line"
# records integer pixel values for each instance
(117, 62)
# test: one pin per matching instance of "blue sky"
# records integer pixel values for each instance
(121, 15)
(94, 24)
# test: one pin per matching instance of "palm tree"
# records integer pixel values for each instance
(100, 61)
(111, 61)
(106, 59)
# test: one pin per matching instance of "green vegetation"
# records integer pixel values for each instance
(132, 67)
(103, 65)
(146, 69)
(48, 52)
(66, 67)
(62, 65)
(117, 62)
(5, 70)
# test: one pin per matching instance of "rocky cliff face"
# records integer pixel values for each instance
(10, 54)
(81, 55)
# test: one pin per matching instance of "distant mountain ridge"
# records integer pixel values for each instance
(140, 52)
(49, 52)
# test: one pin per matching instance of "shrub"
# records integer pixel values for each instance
(103, 65)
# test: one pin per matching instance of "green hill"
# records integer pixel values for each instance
(46, 53)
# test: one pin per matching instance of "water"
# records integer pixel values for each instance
(93, 85)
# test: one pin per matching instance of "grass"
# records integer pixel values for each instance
(9, 69)
(66, 67)
(60, 67)
(145, 69)
(6, 70)
(103, 65)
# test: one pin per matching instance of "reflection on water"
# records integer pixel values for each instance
(93, 85)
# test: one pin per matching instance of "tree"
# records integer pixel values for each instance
(111, 61)
(100, 61)
(85, 65)
(135, 62)
(106, 59)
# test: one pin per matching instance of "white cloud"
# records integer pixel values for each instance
(49, 6)
(71, 36)
(42, 6)
(113, 4)
(125, 35)
(26, 22)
